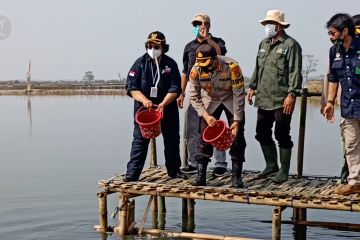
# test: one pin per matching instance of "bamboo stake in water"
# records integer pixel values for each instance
(153, 161)
(103, 211)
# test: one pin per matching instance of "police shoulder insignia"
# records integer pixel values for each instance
(194, 74)
(236, 75)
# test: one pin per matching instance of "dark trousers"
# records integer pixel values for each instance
(265, 122)
(237, 149)
(170, 131)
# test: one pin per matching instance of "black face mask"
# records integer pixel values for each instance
(337, 42)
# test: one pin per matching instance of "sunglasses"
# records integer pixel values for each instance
(332, 33)
(152, 45)
(197, 23)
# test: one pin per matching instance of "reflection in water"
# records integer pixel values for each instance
(29, 114)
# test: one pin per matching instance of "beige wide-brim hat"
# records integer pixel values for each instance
(275, 16)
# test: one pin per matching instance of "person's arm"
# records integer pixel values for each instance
(133, 84)
(238, 89)
(184, 77)
(332, 89)
(175, 87)
(294, 59)
(211, 42)
(254, 80)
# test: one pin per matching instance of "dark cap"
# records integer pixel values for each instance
(158, 38)
(204, 54)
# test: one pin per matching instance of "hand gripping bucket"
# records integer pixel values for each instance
(149, 122)
(219, 135)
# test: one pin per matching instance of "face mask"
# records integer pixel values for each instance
(337, 42)
(270, 30)
(196, 31)
(153, 53)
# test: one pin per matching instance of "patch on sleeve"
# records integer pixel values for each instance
(194, 74)
(132, 73)
(236, 75)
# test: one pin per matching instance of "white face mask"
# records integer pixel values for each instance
(153, 53)
(270, 30)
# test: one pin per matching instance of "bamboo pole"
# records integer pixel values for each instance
(184, 214)
(153, 161)
(191, 215)
(145, 215)
(162, 205)
(302, 124)
(154, 209)
(131, 214)
(158, 232)
(301, 143)
(276, 223)
(124, 207)
(103, 211)
(185, 155)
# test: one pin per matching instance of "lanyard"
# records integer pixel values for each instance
(156, 76)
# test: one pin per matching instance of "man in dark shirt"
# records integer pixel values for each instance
(154, 78)
(344, 62)
(201, 24)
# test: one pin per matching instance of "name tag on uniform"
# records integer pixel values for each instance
(153, 92)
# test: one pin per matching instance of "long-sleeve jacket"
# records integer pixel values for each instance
(224, 85)
(277, 72)
(142, 76)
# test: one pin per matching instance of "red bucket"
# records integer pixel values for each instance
(149, 122)
(219, 135)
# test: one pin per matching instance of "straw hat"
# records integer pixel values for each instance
(275, 16)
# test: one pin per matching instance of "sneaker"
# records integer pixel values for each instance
(189, 169)
(347, 189)
(219, 171)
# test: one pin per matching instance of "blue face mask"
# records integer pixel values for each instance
(196, 31)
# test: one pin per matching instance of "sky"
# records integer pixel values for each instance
(66, 38)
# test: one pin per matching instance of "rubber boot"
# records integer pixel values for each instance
(270, 155)
(200, 180)
(344, 173)
(283, 174)
(236, 175)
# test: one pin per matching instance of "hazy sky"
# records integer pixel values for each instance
(65, 38)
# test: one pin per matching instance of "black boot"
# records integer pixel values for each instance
(200, 180)
(344, 173)
(236, 175)
(283, 174)
(270, 155)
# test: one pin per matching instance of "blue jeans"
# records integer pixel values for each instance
(193, 135)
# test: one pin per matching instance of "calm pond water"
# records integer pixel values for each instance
(53, 156)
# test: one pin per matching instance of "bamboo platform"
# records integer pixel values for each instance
(301, 192)
(315, 192)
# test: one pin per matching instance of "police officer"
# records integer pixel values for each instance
(222, 83)
(154, 78)
(201, 30)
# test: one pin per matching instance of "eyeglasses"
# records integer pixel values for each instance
(152, 45)
(332, 33)
(197, 23)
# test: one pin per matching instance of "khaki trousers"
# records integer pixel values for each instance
(351, 131)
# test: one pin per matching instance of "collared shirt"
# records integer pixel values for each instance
(345, 68)
(189, 55)
(224, 85)
(277, 72)
(142, 76)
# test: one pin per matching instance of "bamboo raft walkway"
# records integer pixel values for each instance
(313, 192)
(299, 193)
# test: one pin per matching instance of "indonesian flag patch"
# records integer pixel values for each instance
(132, 73)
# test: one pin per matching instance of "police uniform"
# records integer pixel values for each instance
(217, 85)
(142, 77)
(223, 90)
